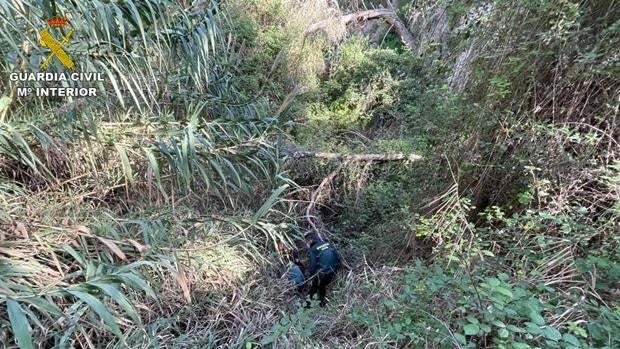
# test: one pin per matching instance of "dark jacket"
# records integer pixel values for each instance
(322, 258)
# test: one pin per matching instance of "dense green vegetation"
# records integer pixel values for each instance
(149, 216)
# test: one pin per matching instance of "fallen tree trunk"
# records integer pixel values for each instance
(346, 159)
(386, 14)
(355, 157)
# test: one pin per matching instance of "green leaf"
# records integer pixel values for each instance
(519, 345)
(155, 168)
(503, 333)
(219, 171)
(44, 304)
(504, 291)
(569, 338)
(269, 203)
(498, 323)
(99, 308)
(125, 163)
(533, 328)
(460, 338)
(5, 101)
(136, 281)
(235, 174)
(19, 324)
(472, 320)
(112, 79)
(552, 334)
(580, 331)
(471, 329)
(514, 328)
(486, 328)
(66, 337)
(493, 282)
(536, 318)
(267, 340)
(112, 291)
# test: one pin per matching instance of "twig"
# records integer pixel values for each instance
(316, 193)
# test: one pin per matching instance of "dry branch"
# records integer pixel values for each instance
(315, 196)
(354, 157)
(386, 14)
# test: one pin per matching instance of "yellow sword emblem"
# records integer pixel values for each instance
(47, 40)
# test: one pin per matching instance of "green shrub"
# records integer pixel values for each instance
(447, 307)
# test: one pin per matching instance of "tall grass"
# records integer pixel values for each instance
(152, 52)
(99, 196)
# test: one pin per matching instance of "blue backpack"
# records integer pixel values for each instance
(295, 274)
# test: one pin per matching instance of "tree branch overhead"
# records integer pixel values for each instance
(386, 14)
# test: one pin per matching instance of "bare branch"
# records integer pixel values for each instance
(386, 14)
(315, 196)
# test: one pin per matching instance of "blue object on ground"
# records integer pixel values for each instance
(296, 275)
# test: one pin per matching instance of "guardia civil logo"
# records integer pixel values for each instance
(53, 38)
(55, 45)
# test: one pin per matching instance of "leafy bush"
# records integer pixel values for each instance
(447, 307)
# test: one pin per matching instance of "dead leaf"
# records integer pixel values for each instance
(57, 263)
(6, 291)
(113, 247)
(20, 228)
(82, 229)
(11, 252)
(143, 307)
(183, 282)
(138, 246)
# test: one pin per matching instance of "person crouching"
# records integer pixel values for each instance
(323, 263)
(295, 272)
